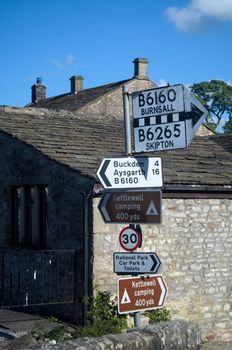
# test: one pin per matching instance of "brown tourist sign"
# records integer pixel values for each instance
(140, 206)
(141, 293)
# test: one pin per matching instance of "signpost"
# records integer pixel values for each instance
(141, 293)
(131, 172)
(141, 206)
(136, 263)
(165, 118)
(129, 238)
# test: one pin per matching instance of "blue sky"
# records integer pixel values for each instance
(185, 41)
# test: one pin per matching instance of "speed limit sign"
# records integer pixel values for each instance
(129, 238)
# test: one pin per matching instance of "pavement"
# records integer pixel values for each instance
(14, 325)
(216, 346)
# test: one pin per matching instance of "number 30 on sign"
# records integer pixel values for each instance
(129, 238)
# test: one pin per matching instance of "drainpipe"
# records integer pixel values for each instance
(86, 250)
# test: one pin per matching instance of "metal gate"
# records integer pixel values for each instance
(36, 277)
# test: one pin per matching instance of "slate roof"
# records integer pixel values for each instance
(72, 102)
(81, 143)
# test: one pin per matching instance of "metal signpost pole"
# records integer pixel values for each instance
(127, 131)
(126, 110)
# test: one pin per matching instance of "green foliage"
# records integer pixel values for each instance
(103, 317)
(58, 333)
(228, 126)
(158, 315)
(216, 96)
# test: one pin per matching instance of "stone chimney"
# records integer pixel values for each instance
(140, 68)
(38, 91)
(76, 83)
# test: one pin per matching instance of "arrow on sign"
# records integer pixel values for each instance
(156, 262)
(102, 173)
(194, 117)
(163, 290)
(195, 114)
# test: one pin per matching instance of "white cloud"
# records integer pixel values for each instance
(200, 13)
(56, 63)
(218, 9)
(162, 82)
(69, 59)
(185, 19)
(62, 64)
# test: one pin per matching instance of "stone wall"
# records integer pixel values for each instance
(23, 165)
(194, 244)
(175, 335)
(111, 104)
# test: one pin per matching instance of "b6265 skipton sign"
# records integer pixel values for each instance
(165, 118)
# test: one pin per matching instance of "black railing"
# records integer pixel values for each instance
(36, 277)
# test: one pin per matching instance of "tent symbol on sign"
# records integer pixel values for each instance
(125, 298)
(152, 209)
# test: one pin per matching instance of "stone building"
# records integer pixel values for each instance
(55, 246)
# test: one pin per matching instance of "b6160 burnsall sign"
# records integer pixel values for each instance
(165, 118)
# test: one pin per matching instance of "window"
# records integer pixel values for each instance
(29, 215)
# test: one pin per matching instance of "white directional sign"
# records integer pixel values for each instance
(131, 172)
(138, 263)
(165, 118)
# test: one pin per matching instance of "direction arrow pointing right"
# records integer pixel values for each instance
(195, 115)
(163, 290)
(156, 262)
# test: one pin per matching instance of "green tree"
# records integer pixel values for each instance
(228, 126)
(216, 96)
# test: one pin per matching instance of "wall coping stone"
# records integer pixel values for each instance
(173, 335)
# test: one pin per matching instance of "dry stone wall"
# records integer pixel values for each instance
(173, 335)
(194, 244)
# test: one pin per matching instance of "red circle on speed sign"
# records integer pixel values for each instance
(129, 238)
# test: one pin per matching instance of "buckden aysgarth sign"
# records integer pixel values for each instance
(165, 118)
(131, 172)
